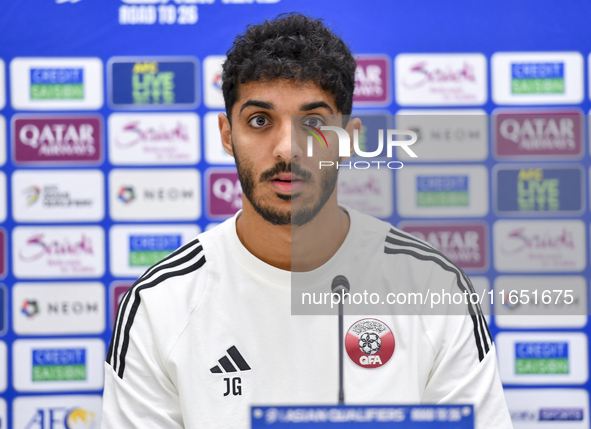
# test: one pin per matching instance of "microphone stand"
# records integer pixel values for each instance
(340, 286)
(341, 363)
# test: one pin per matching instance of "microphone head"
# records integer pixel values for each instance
(340, 283)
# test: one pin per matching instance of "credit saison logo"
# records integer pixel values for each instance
(57, 84)
(537, 78)
(59, 364)
(541, 358)
(146, 250)
(345, 145)
(442, 191)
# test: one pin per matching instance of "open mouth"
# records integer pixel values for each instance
(286, 182)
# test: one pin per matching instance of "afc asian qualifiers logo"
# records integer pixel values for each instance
(370, 343)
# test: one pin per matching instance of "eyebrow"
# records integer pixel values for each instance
(315, 105)
(257, 103)
(270, 106)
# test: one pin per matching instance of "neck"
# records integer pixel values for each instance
(294, 248)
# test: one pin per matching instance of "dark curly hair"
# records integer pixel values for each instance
(292, 46)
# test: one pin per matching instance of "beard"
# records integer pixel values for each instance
(301, 212)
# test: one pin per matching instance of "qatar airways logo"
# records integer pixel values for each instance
(345, 145)
(57, 139)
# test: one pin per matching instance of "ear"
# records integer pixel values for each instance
(352, 125)
(226, 133)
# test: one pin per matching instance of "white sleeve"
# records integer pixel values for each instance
(141, 394)
(465, 370)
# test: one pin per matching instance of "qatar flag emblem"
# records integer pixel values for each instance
(370, 343)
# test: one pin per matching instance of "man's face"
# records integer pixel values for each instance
(283, 185)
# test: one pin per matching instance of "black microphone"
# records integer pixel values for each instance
(340, 286)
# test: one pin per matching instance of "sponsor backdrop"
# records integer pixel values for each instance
(111, 159)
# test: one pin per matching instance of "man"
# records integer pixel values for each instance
(208, 331)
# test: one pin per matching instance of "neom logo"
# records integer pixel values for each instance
(30, 308)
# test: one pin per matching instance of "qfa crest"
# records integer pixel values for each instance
(370, 343)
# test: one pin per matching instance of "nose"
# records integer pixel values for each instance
(284, 148)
